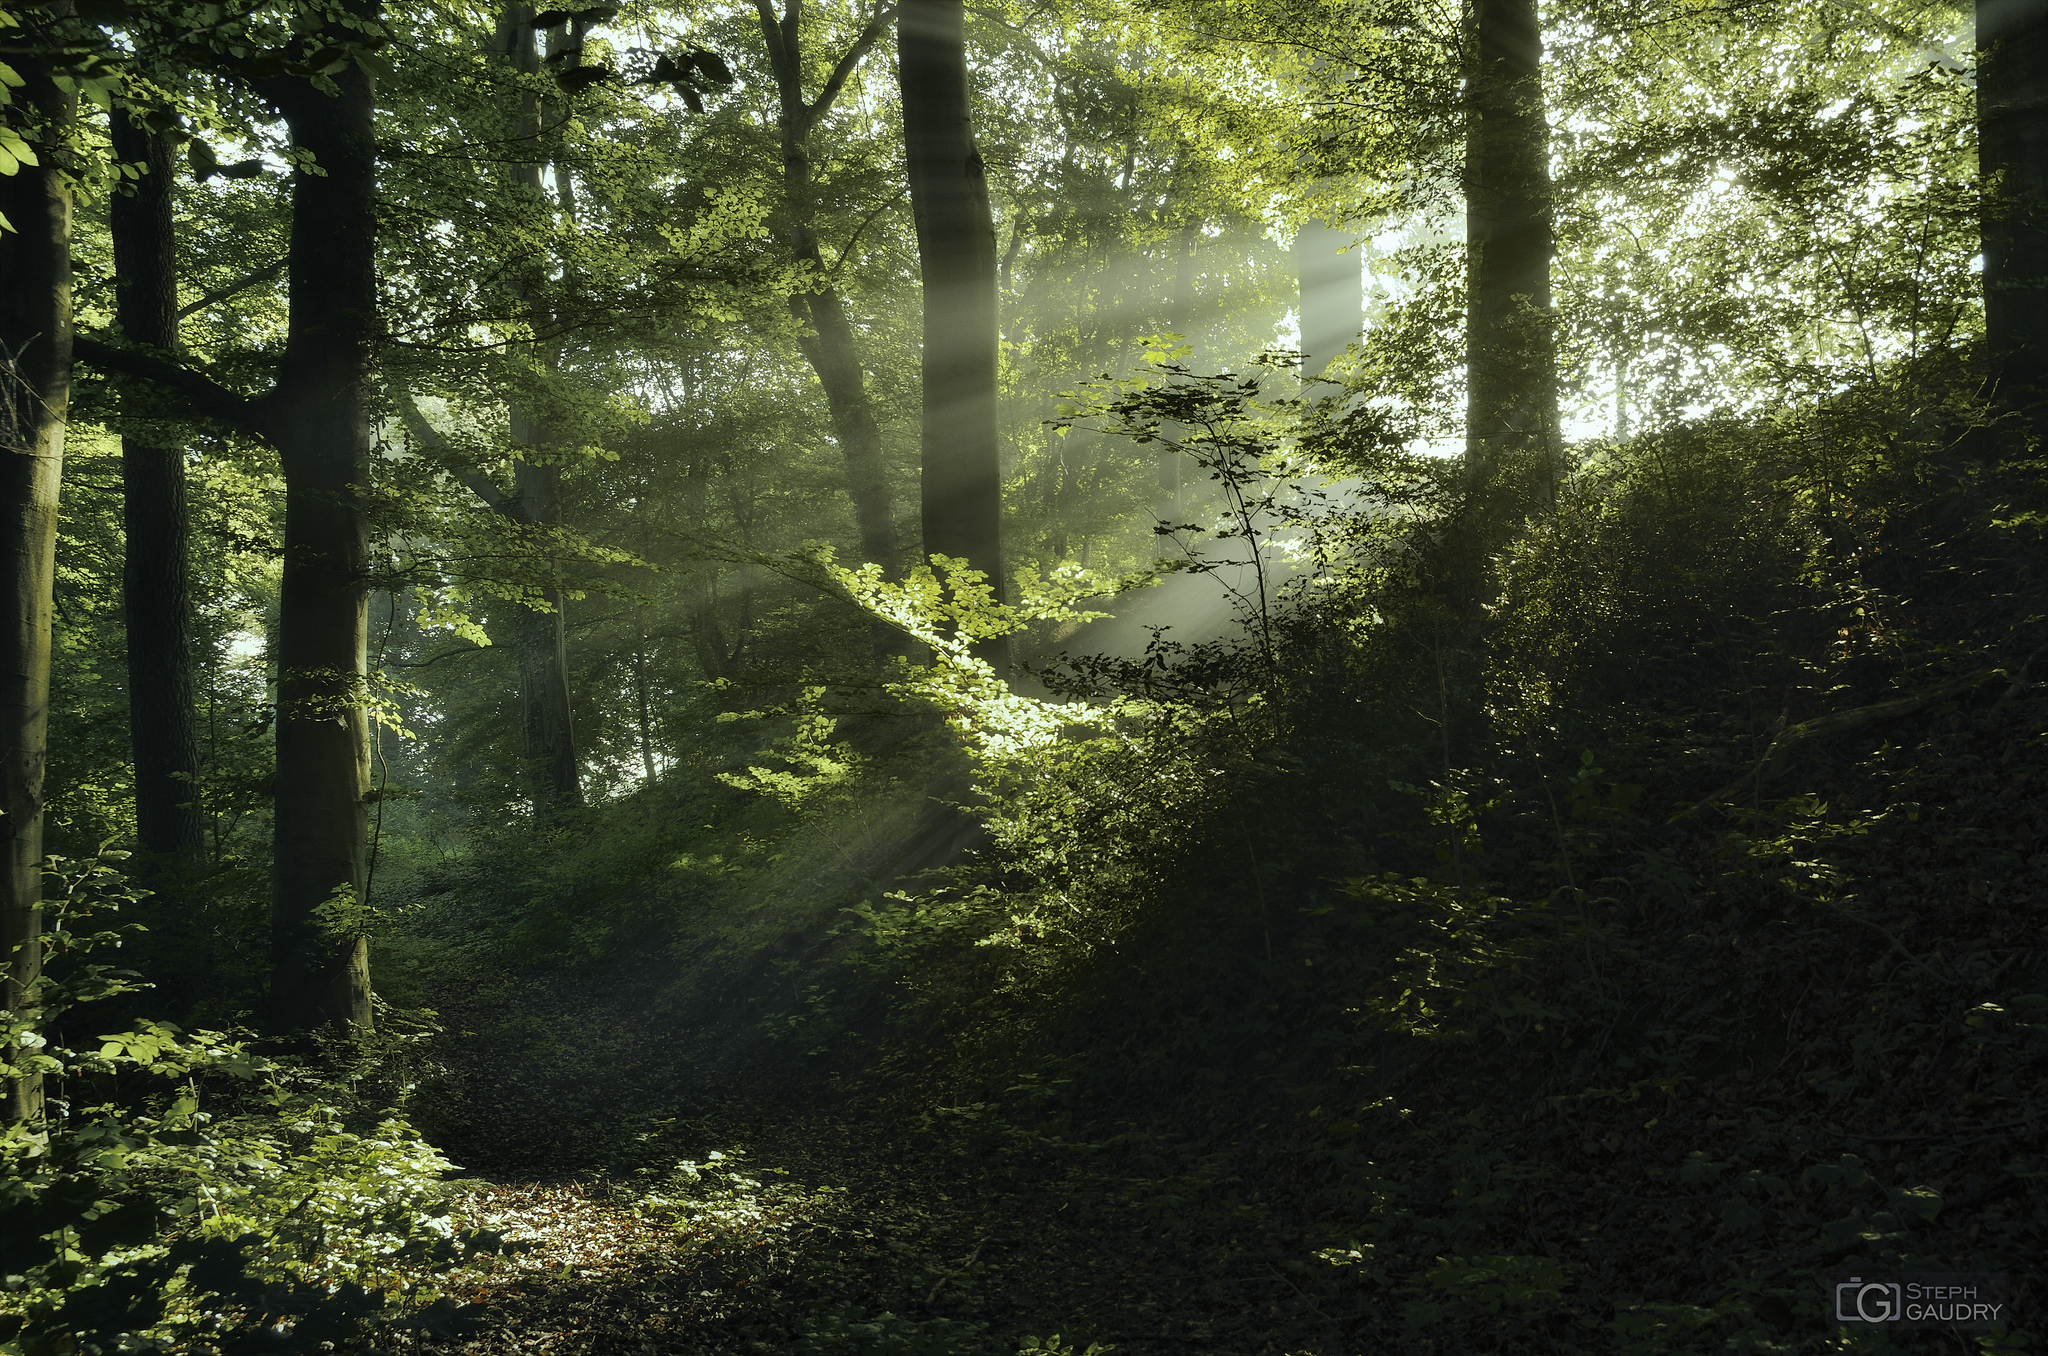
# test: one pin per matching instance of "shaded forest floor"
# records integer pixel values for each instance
(1653, 1125)
(830, 1235)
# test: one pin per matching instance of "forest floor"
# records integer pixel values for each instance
(1826, 1054)
(830, 1235)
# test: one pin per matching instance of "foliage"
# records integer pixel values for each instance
(213, 1195)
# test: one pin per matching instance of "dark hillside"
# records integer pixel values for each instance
(1743, 985)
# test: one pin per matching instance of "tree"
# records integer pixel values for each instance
(956, 250)
(547, 722)
(2012, 141)
(825, 331)
(1510, 347)
(35, 388)
(316, 416)
(156, 574)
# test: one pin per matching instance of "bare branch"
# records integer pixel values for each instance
(260, 276)
(778, 55)
(869, 35)
(416, 424)
(205, 395)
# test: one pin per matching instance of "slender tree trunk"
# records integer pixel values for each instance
(550, 732)
(2012, 157)
(553, 771)
(319, 421)
(1332, 295)
(644, 707)
(824, 332)
(956, 250)
(35, 388)
(1511, 359)
(827, 341)
(1182, 321)
(156, 590)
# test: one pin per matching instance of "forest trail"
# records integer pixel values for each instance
(828, 1236)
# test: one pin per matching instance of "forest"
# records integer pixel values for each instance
(1023, 677)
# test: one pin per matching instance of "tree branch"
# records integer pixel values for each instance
(435, 659)
(416, 424)
(851, 61)
(1838, 722)
(261, 275)
(778, 56)
(205, 395)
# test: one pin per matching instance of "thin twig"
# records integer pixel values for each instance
(964, 1267)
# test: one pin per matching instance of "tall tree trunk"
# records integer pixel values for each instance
(641, 696)
(956, 250)
(319, 422)
(824, 332)
(553, 772)
(35, 390)
(156, 577)
(1511, 358)
(1182, 321)
(316, 417)
(549, 728)
(2012, 158)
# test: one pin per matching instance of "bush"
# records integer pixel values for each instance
(185, 1188)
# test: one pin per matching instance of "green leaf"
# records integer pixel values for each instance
(14, 152)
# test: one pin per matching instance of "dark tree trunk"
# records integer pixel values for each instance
(548, 733)
(1182, 322)
(318, 419)
(2012, 157)
(643, 706)
(827, 341)
(956, 250)
(555, 780)
(824, 332)
(156, 577)
(35, 390)
(1511, 414)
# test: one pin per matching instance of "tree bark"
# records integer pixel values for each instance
(156, 590)
(556, 781)
(2012, 157)
(35, 388)
(320, 424)
(824, 331)
(548, 732)
(956, 250)
(1511, 357)
(316, 417)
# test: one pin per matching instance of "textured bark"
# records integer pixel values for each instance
(824, 331)
(35, 387)
(1512, 411)
(318, 419)
(156, 575)
(956, 250)
(554, 779)
(548, 728)
(2012, 152)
